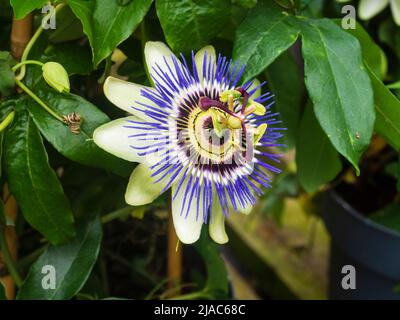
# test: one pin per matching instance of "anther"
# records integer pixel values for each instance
(230, 102)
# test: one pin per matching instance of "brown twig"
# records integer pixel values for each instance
(174, 270)
(10, 209)
(21, 32)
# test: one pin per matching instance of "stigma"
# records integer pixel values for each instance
(231, 110)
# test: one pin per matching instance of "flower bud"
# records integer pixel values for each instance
(56, 76)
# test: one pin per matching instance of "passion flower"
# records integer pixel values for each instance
(197, 131)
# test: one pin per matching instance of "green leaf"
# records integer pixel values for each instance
(217, 278)
(248, 4)
(190, 24)
(76, 59)
(311, 8)
(394, 86)
(388, 34)
(33, 183)
(317, 160)
(339, 87)
(7, 57)
(387, 108)
(288, 90)
(108, 23)
(84, 11)
(77, 147)
(262, 37)
(23, 7)
(69, 27)
(372, 54)
(393, 169)
(5, 108)
(7, 82)
(388, 217)
(2, 292)
(113, 23)
(72, 263)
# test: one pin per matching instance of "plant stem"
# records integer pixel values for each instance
(174, 267)
(120, 213)
(28, 48)
(12, 269)
(192, 296)
(38, 100)
(23, 63)
(21, 32)
(30, 44)
(4, 124)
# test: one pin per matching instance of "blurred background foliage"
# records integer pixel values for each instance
(337, 92)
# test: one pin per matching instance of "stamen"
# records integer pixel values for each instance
(258, 108)
(230, 102)
(250, 109)
(259, 132)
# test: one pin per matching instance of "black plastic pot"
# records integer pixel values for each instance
(372, 249)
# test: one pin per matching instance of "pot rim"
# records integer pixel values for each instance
(360, 217)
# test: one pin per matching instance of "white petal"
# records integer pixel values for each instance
(199, 59)
(245, 210)
(370, 8)
(158, 54)
(125, 95)
(256, 94)
(114, 137)
(395, 6)
(142, 187)
(217, 225)
(188, 229)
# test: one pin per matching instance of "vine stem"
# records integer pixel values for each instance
(25, 62)
(21, 32)
(7, 120)
(174, 266)
(28, 48)
(192, 296)
(38, 100)
(7, 257)
(10, 210)
(30, 44)
(120, 213)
